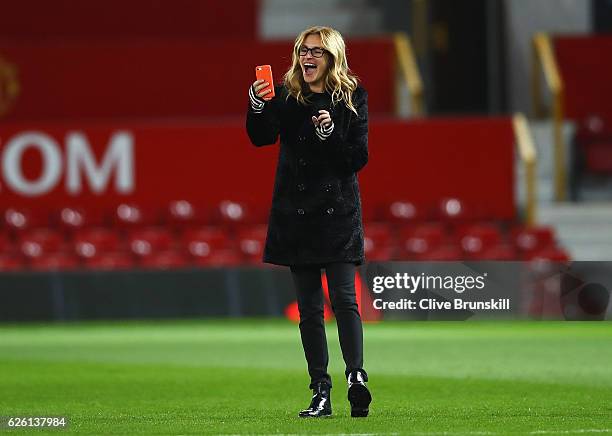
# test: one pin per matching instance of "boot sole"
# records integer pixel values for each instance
(315, 417)
(360, 398)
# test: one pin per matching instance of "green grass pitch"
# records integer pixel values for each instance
(249, 377)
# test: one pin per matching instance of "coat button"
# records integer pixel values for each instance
(328, 188)
(301, 187)
(300, 211)
(330, 210)
(301, 138)
(302, 162)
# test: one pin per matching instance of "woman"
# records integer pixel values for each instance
(321, 115)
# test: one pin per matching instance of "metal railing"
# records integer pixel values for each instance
(528, 156)
(9, 86)
(408, 70)
(543, 61)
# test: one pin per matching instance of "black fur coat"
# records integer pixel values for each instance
(316, 206)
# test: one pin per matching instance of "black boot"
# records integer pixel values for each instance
(358, 394)
(321, 403)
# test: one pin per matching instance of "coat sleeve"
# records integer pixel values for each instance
(349, 150)
(263, 128)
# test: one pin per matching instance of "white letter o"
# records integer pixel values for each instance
(52, 163)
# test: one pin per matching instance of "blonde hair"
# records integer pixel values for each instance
(340, 82)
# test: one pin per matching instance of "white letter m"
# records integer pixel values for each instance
(119, 156)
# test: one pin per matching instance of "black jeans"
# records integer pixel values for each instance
(341, 284)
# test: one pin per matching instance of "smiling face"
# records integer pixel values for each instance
(314, 68)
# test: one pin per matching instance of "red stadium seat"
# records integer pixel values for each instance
(38, 242)
(90, 242)
(74, 218)
(110, 261)
(213, 237)
(598, 156)
(452, 210)
(18, 220)
(131, 215)
(378, 242)
(251, 242)
(234, 213)
(443, 253)
(70, 218)
(6, 243)
(594, 127)
(182, 213)
(10, 262)
(218, 258)
(550, 253)
(54, 262)
(210, 246)
(592, 150)
(502, 251)
(416, 242)
(475, 240)
(231, 212)
(402, 212)
(531, 239)
(149, 240)
(164, 260)
(488, 230)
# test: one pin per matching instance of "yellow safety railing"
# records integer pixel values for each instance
(408, 71)
(9, 86)
(528, 156)
(544, 62)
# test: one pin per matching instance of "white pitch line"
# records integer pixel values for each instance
(580, 430)
(449, 433)
(443, 433)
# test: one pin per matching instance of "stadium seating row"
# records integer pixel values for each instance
(133, 240)
(227, 213)
(592, 148)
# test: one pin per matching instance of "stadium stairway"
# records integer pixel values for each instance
(584, 228)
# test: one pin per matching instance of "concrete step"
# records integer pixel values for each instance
(584, 229)
(310, 5)
(591, 252)
(542, 132)
(577, 213)
(284, 20)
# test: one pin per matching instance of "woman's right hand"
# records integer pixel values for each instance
(259, 85)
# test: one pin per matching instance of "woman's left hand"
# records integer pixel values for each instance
(324, 119)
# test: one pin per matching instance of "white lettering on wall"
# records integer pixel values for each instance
(12, 165)
(81, 162)
(82, 167)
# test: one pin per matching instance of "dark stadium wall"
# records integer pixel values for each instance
(601, 11)
(466, 57)
(211, 292)
(247, 291)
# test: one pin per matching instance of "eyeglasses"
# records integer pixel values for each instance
(316, 52)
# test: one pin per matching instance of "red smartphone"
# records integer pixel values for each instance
(264, 72)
